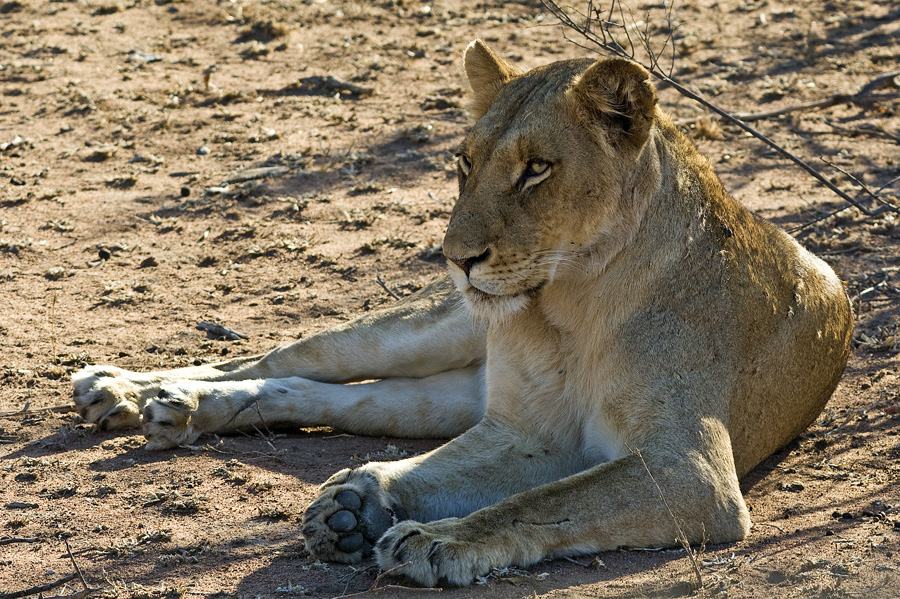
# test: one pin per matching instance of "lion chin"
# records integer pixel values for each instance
(495, 308)
(492, 307)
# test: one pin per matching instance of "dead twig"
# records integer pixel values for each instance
(846, 418)
(354, 574)
(75, 565)
(864, 98)
(874, 194)
(332, 84)
(386, 288)
(215, 328)
(374, 589)
(254, 403)
(25, 411)
(38, 589)
(681, 537)
(78, 595)
(874, 131)
(19, 540)
(611, 47)
(856, 180)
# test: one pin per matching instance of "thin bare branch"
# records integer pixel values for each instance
(856, 180)
(616, 50)
(386, 288)
(374, 589)
(19, 540)
(38, 589)
(682, 538)
(25, 411)
(214, 328)
(75, 565)
(886, 185)
(858, 99)
(874, 131)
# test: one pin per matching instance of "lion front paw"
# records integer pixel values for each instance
(168, 418)
(102, 395)
(432, 554)
(351, 513)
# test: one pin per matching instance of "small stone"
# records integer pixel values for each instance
(55, 273)
(101, 153)
(776, 577)
(342, 521)
(794, 487)
(349, 500)
(203, 151)
(185, 192)
(144, 57)
(104, 254)
(352, 543)
(148, 158)
(149, 262)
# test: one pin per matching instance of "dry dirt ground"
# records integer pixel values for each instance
(129, 213)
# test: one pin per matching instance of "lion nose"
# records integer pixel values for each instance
(466, 263)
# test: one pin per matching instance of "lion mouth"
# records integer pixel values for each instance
(485, 296)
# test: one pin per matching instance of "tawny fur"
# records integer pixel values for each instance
(615, 311)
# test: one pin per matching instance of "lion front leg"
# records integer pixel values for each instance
(487, 463)
(613, 505)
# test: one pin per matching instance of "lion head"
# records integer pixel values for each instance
(551, 173)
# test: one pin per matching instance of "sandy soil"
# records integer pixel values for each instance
(128, 215)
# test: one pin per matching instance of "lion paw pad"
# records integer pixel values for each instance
(344, 524)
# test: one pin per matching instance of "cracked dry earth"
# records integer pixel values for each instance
(265, 164)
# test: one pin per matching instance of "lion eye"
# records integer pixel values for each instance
(535, 172)
(537, 167)
(465, 165)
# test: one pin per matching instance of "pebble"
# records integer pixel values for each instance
(102, 152)
(203, 151)
(185, 192)
(145, 57)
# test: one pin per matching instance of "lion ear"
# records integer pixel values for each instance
(617, 95)
(487, 74)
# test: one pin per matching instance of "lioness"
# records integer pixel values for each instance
(633, 326)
